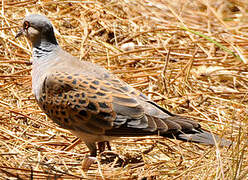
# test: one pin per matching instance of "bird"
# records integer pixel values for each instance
(93, 103)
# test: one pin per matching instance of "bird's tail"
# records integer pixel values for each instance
(203, 137)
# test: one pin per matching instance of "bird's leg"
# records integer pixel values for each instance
(108, 156)
(89, 160)
(102, 145)
(108, 145)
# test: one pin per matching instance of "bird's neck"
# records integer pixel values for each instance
(43, 48)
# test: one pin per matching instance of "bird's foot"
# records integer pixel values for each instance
(87, 162)
(111, 157)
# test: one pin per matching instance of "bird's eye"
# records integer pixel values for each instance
(26, 25)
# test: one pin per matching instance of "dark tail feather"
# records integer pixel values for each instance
(203, 137)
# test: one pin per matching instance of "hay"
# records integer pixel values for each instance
(204, 77)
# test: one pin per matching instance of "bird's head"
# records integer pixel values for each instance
(37, 28)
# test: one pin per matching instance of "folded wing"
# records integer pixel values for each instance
(110, 107)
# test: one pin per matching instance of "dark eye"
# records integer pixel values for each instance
(26, 25)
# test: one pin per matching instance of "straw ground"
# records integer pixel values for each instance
(190, 56)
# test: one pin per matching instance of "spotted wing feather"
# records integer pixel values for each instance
(78, 102)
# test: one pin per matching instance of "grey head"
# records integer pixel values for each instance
(38, 29)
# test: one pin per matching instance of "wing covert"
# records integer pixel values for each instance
(78, 102)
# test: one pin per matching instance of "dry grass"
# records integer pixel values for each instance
(205, 77)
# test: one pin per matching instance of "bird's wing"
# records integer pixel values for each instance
(110, 107)
(153, 120)
(79, 102)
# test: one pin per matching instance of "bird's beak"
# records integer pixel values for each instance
(21, 31)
